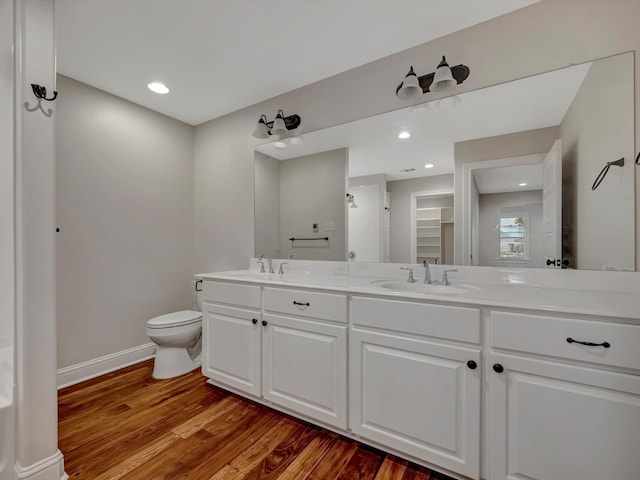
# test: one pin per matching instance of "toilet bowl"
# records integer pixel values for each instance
(178, 339)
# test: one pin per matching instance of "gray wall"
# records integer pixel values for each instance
(400, 191)
(597, 129)
(313, 190)
(267, 222)
(490, 211)
(125, 212)
(491, 148)
(544, 36)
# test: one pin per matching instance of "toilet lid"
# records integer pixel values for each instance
(175, 319)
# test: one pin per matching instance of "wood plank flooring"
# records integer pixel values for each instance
(126, 425)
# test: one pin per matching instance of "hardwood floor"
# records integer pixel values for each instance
(126, 425)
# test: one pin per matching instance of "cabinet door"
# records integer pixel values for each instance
(418, 397)
(552, 421)
(304, 368)
(231, 347)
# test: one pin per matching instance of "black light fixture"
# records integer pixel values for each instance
(280, 126)
(442, 79)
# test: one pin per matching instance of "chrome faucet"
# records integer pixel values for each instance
(410, 279)
(445, 279)
(281, 270)
(269, 262)
(427, 272)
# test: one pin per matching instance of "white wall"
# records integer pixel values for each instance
(366, 223)
(491, 209)
(400, 191)
(125, 213)
(598, 128)
(313, 190)
(543, 36)
(6, 174)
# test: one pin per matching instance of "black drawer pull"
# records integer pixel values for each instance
(589, 344)
(264, 323)
(254, 321)
(498, 368)
(472, 364)
(302, 304)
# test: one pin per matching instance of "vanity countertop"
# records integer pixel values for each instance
(621, 304)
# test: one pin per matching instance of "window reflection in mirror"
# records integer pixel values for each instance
(487, 133)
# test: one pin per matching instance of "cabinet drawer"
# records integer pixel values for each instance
(326, 306)
(548, 336)
(232, 294)
(439, 321)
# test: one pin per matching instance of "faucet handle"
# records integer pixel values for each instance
(410, 279)
(281, 270)
(445, 278)
(261, 266)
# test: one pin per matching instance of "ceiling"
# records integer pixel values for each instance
(218, 56)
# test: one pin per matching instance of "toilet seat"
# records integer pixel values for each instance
(175, 319)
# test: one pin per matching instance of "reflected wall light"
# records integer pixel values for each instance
(442, 79)
(280, 126)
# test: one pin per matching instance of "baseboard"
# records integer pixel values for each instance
(99, 366)
(51, 468)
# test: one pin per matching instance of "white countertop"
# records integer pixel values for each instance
(621, 303)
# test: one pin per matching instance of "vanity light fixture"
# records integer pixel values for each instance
(404, 135)
(429, 165)
(280, 126)
(442, 79)
(157, 87)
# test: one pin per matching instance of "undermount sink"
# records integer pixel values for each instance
(420, 288)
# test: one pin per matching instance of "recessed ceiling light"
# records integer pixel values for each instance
(280, 144)
(523, 184)
(429, 165)
(404, 135)
(158, 87)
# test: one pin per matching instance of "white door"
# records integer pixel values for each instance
(552, 205)
(304, 368)
(231, 347)
(552, 421)
(417, 397)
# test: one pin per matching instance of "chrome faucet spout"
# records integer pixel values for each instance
(269, 262)
(427, 272)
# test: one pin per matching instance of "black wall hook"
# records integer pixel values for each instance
(603, 172)
(41, 92)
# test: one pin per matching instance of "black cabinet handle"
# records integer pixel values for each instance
(302, 304)
(472, 365)
(589, 344)
(197, 283)
(254, 321)
(498, 368)
(264, 323)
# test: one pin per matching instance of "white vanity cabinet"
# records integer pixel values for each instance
(414, 386)
(304, 353)
(231, 352)
(561, 409)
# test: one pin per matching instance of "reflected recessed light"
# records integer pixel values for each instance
(429, 165)
(523, 184)
(404, 135)
(158, 87)
(280, 144)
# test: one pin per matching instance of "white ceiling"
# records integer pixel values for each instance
(218, 56)
(509, 179)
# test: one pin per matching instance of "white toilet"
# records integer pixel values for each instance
(178, 339)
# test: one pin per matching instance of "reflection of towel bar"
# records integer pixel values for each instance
(293, 239)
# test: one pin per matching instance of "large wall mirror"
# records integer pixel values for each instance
(501, 176)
